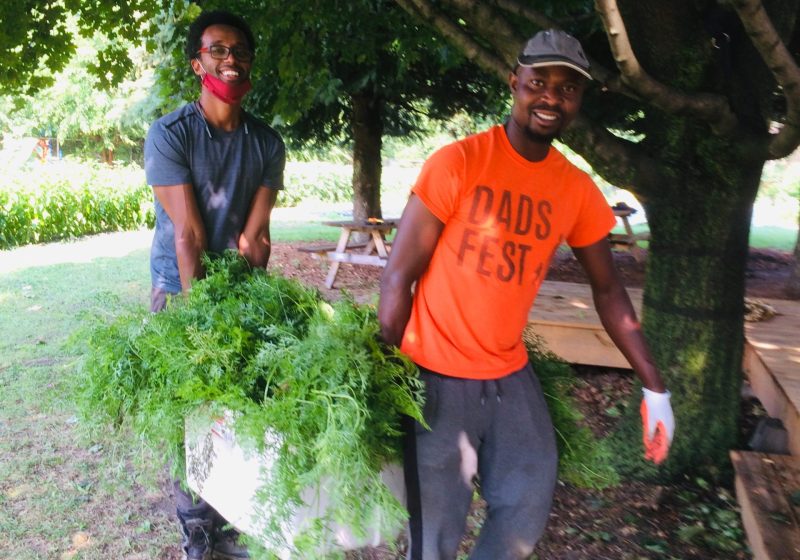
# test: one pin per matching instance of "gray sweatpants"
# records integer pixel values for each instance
(499, 430)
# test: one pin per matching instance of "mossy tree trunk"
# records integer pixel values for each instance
(693, 318)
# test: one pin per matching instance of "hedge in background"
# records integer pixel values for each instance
(71, 199)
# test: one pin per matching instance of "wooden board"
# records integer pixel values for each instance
(327, 247)
(766, 487)
(357, 258)
(564, 316)
(772, 365)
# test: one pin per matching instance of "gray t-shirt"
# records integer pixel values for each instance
(225, 169)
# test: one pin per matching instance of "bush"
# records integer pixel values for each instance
(69, 200)
(583, 460)
(317, 180)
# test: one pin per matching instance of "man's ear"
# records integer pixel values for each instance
(198, 70)
(513, 81)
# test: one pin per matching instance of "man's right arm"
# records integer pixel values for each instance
(412, 249)
(180, 205)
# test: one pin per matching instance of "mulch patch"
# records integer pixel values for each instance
(767, 272)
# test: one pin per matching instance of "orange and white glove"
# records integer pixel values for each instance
(658, 425)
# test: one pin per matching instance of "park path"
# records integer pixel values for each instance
(81, 250)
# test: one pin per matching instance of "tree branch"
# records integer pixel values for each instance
(713, 109)
(535, 17)
(761, 31)
(503, 37)
(618, 161)
(456, 35)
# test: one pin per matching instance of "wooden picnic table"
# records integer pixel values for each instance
(374, 252)
(627, 241)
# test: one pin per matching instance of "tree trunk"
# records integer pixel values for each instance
(367, 123)
(693, 314)
(793, 285)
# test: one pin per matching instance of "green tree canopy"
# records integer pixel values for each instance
(38, 39)
(349, 72)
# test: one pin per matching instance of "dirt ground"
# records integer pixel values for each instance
(692, 520)
(767, 272)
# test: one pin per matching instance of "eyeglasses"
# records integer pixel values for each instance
(221, 52)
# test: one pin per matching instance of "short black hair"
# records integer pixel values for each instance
(217, 17)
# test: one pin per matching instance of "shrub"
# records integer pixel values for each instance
(322, 181)
(583, 460)
(70, 200)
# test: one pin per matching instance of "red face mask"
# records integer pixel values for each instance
(226, 92)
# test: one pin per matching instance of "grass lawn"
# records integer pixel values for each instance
(771, 237)
(762, 237)
(62, 495)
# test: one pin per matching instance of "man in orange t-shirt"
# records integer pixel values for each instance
(475, 240)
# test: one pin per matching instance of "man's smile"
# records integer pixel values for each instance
(547, 114)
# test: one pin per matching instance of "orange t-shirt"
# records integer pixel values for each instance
(504, 218)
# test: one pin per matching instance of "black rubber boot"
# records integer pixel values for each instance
(227, 545)
(196, 529)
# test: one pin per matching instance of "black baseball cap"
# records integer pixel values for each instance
(554, 47)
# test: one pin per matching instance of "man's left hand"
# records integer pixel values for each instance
(658, 425)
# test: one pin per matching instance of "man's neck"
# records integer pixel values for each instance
(529, 148)
(218, 113)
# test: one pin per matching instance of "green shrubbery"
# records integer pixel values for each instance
(70, 199)
(50, 202)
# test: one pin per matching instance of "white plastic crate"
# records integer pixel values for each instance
(226, 477)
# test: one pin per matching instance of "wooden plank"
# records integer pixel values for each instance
(766, 488)
(580, 344)
(778, 343)
(327, 247)
(357, 258)
(772, 365)
(771, 358)
(564, 316)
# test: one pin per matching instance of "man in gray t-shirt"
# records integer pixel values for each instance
(215, 172)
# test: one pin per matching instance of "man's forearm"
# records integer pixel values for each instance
(394, 309)
(619, 319)
(256, 248)
(189, 253)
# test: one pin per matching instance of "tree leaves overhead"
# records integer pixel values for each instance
(313, 56)
(38, 40)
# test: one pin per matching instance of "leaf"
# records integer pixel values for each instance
(690, 533)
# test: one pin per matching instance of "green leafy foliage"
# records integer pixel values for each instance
(283, 361)
(38, 39)
(583, 459)
(115, 120)
(67, 201)
(318, 181)
(710, 518)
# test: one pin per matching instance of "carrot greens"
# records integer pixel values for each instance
(285, 362)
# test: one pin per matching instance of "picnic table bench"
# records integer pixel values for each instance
(627, 241)
(373, 252)
(322, 249)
